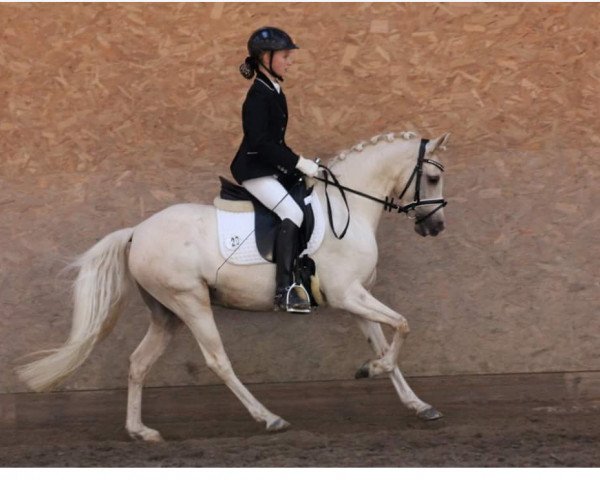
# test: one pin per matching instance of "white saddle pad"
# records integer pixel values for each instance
(237, 240)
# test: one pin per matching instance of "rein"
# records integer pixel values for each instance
(388, 203)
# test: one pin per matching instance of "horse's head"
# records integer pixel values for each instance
(420, 187)
(402, 165)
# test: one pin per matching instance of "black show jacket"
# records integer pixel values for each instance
(263, 151)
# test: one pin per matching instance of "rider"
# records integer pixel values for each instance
(264, 164)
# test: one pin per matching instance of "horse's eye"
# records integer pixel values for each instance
(433, 179)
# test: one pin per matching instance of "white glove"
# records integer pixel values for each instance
(307, 167)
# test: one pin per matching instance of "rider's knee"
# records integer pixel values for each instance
(295, 215)
(298, 218)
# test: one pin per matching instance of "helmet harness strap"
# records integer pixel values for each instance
(270, 67)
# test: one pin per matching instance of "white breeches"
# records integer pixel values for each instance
(272, 195)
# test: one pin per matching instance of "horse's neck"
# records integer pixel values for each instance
(373, 176)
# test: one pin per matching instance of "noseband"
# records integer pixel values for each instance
(417, 173)
(388, 203)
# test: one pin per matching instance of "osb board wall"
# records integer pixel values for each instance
(108, 86)
(110, 112)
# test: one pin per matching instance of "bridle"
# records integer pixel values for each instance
(388, 203)
(417, 173)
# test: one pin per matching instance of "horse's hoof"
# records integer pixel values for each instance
(362, 372)
(430, 414)
(278, 425)
(147, 435)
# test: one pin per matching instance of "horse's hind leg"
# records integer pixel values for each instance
(378, 342)
(194, 309)
(162, 327)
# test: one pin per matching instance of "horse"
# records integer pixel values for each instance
(173, 258)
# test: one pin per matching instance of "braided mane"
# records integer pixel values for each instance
(360, 146)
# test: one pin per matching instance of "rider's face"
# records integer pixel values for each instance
(282, 60)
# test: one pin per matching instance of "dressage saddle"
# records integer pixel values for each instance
(267, 225)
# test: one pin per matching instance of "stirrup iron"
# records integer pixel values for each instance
(298, 308)
(283, 300)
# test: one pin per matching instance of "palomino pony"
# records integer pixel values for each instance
(173, 257)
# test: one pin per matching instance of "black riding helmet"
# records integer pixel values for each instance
(265, 39)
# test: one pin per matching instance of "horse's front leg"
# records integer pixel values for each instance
(358, 300)
(378, 342)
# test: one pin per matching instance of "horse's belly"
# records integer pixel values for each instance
(244, 287)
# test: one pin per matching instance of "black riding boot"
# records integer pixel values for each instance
(287, 298)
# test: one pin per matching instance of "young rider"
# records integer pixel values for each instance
(264, 164)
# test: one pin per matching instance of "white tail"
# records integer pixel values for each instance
(99, 293)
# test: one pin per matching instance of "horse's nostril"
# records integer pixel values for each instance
(436, 228)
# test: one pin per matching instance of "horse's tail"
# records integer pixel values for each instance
(99, 293)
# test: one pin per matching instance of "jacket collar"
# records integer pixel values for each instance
(263, 79)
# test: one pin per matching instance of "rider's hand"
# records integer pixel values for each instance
(307, 167)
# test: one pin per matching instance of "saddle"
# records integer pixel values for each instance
(235, 198)
(267, 223)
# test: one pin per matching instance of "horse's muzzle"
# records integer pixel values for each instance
(431, 226)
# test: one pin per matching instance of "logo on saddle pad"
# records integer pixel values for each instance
(237, 236)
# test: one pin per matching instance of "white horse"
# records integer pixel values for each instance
(173, 257)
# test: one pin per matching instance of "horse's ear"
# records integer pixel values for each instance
(436, 143)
